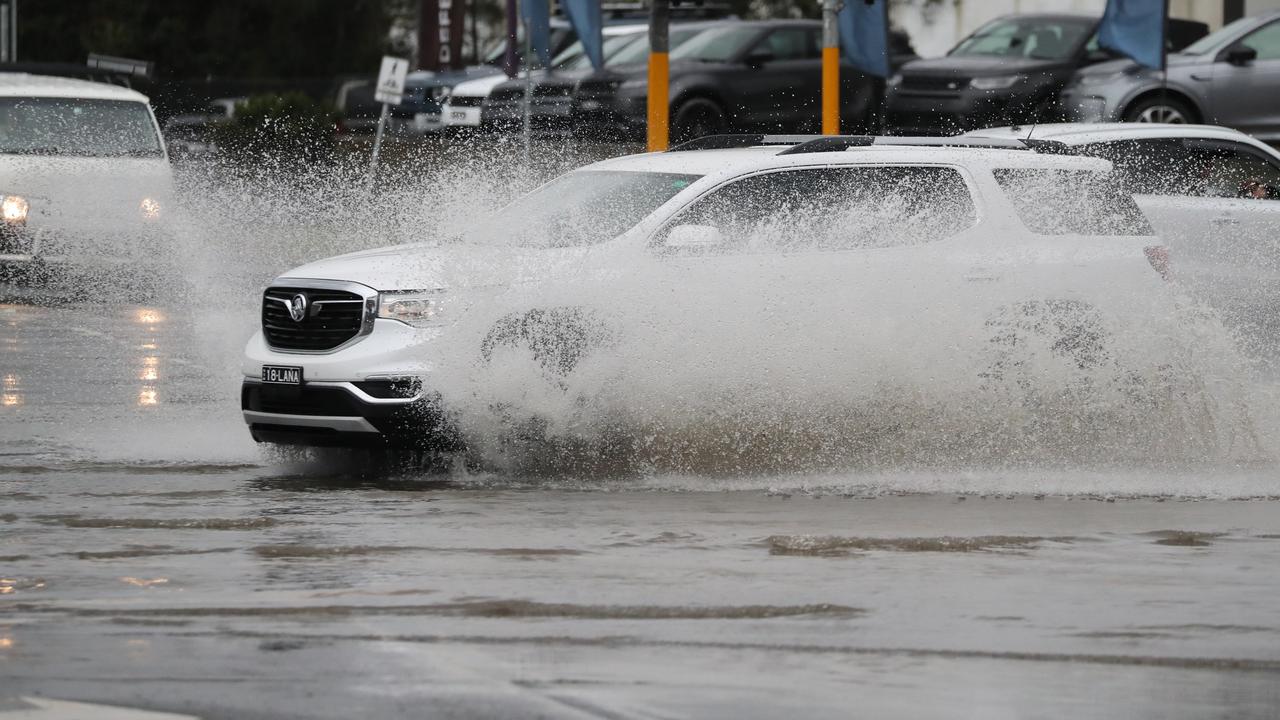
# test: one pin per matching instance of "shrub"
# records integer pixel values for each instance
(277, 131)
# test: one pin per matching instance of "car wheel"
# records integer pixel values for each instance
(1159, 109)
(695, 118)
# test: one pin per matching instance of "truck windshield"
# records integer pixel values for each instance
(582, 208)
(72, 126)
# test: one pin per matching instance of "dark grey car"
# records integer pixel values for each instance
(1230, 77)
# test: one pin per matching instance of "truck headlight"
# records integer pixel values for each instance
(419, 308)
(14, 209)
(998, 82)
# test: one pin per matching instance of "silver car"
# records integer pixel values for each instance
(1230, 77)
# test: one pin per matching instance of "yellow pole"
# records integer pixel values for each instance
(830, 91)
(659, 112)
(830, 69)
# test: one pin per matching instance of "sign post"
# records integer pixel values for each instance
(389, 91)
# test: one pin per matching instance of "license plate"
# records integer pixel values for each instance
(458, 115)
(281, 375)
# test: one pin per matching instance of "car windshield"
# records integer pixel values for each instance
(1037, 38)
(70, 126)
(1215, 40)
(637, 52)
(582, 208)
(717, 44)
(575, 56)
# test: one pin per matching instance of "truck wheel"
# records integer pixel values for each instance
(556, 338)
(1068, 330)
(695, 118)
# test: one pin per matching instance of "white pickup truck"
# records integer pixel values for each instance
(795, 241)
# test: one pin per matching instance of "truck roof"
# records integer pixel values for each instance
(734, 161)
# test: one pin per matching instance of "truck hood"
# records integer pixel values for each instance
(454, 267)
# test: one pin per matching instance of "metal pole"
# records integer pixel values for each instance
(830, 69)
(659, 103)
(528, 87)
(377, 147)
(4, 32)
(510, 63)
(13, 28)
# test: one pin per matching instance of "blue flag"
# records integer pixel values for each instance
(1135, 28)
(864, 35)
(537, 16)
(588, 22)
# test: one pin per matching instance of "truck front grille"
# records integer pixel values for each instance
(330, 318)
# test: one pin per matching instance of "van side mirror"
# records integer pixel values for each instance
(1240, 55)
(758, 58)
(694, 237)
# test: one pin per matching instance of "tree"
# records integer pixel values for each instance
(237, 38)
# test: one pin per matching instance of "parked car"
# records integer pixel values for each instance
(463, 108)
(1010, 70)
(552, 91)
(84, 176)
(793, 241)
(762, 75)
(1213, 196)
(1230, 77)
(190, 134)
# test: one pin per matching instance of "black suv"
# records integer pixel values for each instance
(760, 75)
(1009, 71)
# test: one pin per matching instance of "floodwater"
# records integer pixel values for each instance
(152, 557)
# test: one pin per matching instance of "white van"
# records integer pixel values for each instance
(84, 176)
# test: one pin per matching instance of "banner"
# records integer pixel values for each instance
(440, 32)
(864, 35)
(588, 22)
(1135, 29)
(537, 17)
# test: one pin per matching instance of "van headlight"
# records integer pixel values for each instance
(419, 308)
(14, 209)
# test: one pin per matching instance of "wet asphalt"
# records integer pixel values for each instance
(152, 557)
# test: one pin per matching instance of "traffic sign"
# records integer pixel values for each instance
(390, 88)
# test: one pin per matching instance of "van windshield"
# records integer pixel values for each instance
(72, 126)
(582, 208)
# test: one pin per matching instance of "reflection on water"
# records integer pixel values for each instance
(150, 319)
(12, 387)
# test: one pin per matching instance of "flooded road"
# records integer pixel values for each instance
(150, 557)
